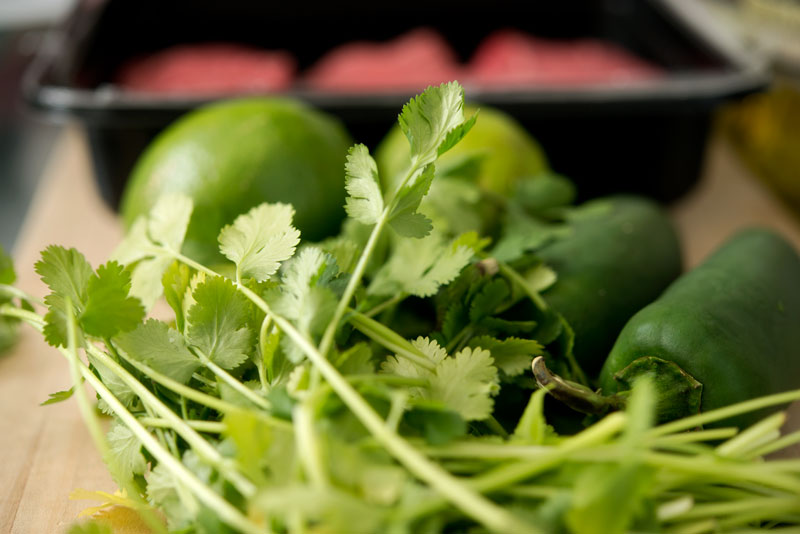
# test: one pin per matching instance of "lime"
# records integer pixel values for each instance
(505, 150)
(233, 155)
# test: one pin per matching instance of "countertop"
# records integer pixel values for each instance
(47, 452)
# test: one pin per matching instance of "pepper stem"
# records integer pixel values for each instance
(577, 396)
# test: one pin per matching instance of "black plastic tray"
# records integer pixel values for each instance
(646, 138)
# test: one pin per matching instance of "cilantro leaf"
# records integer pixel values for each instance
(58, 396)
(7, 274)
(404, 367)
(151, 243)
(532, 428)
(433, 122)
(146, 279)
(364, 202)
(306, 298)
(356, 360)
(160, 347)
(540, 278)
(126, 449)
(264, 451)
(436, 424)
(252, 435)
(454, 205)
(512, 355)
(168, 220)
(404, 218)
(488, 300)
(162, 491)
(259, 240)
(420, 267)
(337, 510)
(136, 245)
(176, 282)
(464, 383)
(218, 322)
(66, 272)
(188, 297)
(109, 309)
(523, 233)
(606, 498)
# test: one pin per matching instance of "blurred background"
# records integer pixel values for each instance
(25, 141)
(622, 95)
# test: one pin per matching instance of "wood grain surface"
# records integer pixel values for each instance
(47, 452)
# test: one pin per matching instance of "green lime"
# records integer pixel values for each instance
(505, 150)
(233, 155)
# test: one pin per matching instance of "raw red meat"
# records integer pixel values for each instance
(511, 58)
(207, 69)
(411, 61)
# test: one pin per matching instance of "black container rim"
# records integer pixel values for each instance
(743, 74)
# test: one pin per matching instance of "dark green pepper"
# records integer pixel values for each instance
(732, 324)
(621, 253)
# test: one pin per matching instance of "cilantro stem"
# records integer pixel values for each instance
(399, 399)
(764, 505)
(93, 424)
(20, 294)
(495, 426)
(768, 448)
(394, 380)
(30, 317)
(520, 281)
(513, 472)
(476, 506)
(205, 381)
(191, 263)
(389, 339)
(231, 381)
(307, 445)
(183, 390)
(710, 467)
(211, 427)
(697, 436)
(227, 512)
(200, 445)
(694, 421)
(753, 437)
(265, 372)
(386, 304)
(472, 504)
(355, 279)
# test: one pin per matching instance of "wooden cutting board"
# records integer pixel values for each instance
(46, 451)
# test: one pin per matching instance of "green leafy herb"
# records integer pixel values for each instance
(152, 244)
(58, 396)
(158, 346)
(284, 397)
(258, 241)
(464, 383)
(109, 309)
(218, 323)
(365, 200)
(421, 266)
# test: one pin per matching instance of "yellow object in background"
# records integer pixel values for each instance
(765, 130)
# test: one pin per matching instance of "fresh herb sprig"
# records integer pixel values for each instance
(278, 401)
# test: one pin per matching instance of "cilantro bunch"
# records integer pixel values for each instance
(285, 394)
